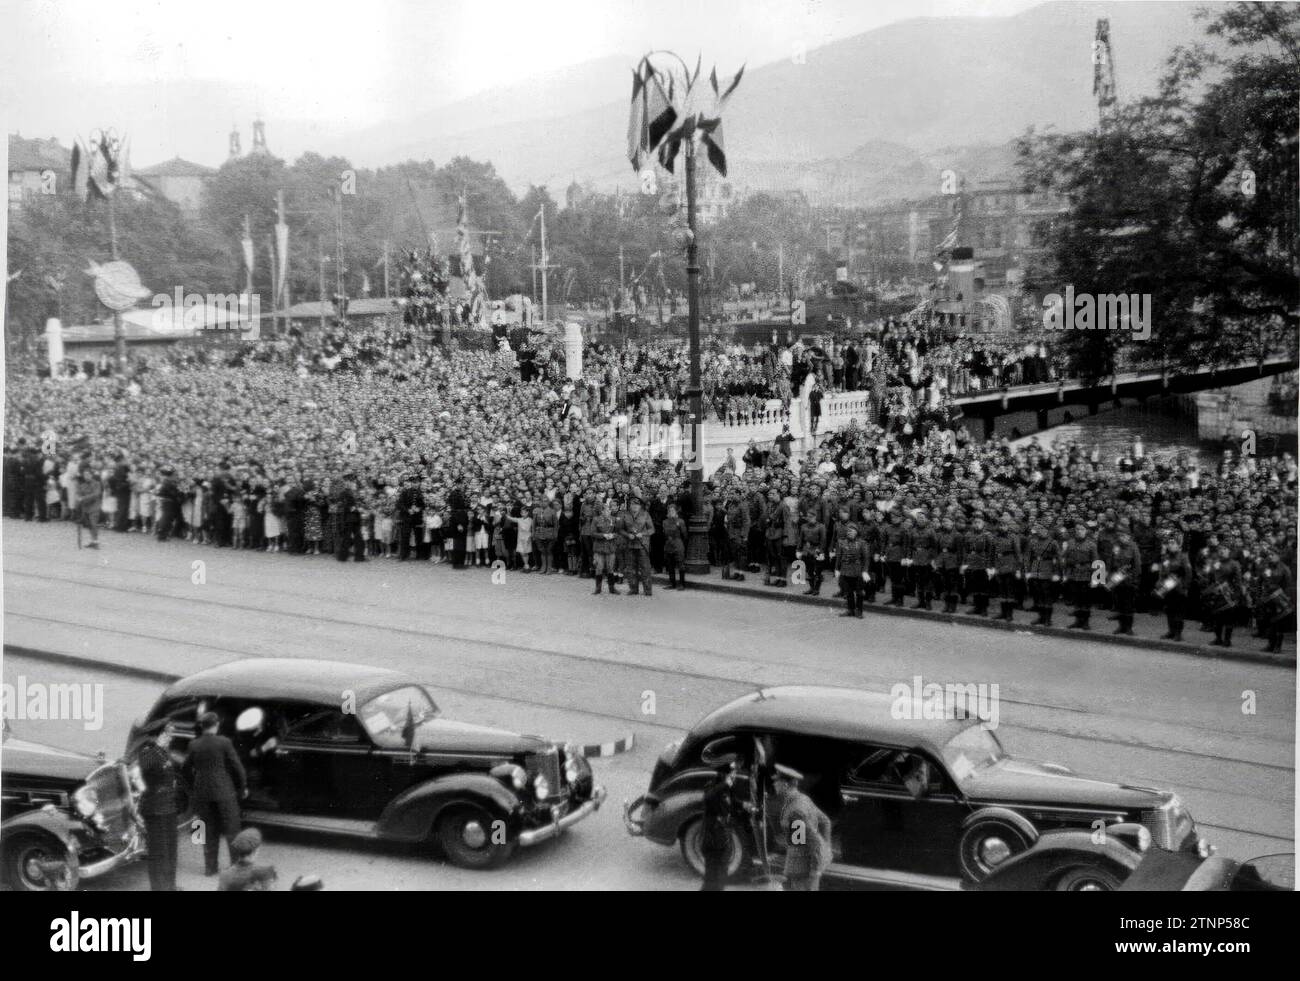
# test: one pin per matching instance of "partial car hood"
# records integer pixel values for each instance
(20, 758)
(466, 737)
(1020, 781)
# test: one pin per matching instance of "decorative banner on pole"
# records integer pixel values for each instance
(282, 271)
(662, 116)
(248, 246)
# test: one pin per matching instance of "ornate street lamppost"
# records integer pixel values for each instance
(672, 113)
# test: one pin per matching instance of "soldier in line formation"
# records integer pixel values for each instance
(1087, 569)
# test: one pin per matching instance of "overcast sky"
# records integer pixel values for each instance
(178, 74)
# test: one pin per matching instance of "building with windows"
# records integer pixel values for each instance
(36, 167)
(179, 181)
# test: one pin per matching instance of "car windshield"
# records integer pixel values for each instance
(390, 718)
(971, 749)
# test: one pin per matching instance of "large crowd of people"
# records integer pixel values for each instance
(375, 444)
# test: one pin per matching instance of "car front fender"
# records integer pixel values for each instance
(1055, 851)
(664, 821)
(49, 821)
(412, 814)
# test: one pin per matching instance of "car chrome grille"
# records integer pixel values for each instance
(547, 765)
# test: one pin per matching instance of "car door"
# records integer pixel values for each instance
(887, 824)
(324, 765)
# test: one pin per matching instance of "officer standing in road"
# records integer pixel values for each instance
(924, 549)
(851, 569)
(947, 563)
(347, 520)
(169, 504)
(805, 830)
(218, 782)
(1173, 579)
(720, 822)
(1125, 560)
(977, 559)
(158, 806)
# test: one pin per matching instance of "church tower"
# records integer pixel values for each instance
(259, 137)
(235, 150)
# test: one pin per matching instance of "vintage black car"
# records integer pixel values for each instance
(914, 803)
(1147, 869)
(362, 751)
(66, 817)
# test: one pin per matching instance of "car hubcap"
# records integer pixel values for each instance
(473, 834)
(994, 851)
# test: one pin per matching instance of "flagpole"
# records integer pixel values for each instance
(697, 545)
(119, 334)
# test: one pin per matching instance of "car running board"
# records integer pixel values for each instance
(890, 877)
(352, 827)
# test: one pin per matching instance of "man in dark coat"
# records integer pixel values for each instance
(720, 820)
(169, 504)
(119, 485)
(223, 492)
(217, 783)
(459, 507)
(158, 807)
(347, 520)
(295, 515)
(409, 516)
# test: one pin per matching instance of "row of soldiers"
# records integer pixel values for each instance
(996, 560)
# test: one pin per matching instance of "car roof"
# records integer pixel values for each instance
(838, 713)
(292, 679)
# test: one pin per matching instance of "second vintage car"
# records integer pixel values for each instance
(363, 751)
(914, 803)
(67, 817)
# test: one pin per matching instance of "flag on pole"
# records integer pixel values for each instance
(282, 270)
(248, 246)
(651, 116)
(80, 169)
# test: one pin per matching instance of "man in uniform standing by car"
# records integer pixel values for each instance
(805, 830)
(217, 782)
(158, 807)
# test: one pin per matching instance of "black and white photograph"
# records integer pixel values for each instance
(635, 446)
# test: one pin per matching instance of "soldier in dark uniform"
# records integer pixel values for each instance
(851, 568)
(1007, 566)
(1043, 570)
(604, 548)
(947, 564)
(158, 806)
(221, 494)
(924, 549)
(720, 820)
(812, 548)
(1277, 618)
(737, 523)
(977, 559)
(1076, 562)
(1226, 572)
(872, 535)
(459, 528)
(169, 504)
(1174, 564)
(635, 528)
(1126, 560)
(897, 547)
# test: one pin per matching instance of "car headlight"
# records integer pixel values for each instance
(515, 775)
(86, 801)
(542, 787)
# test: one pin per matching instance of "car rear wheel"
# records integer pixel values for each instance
(692, 843)
(986, 845)
(473, 838)
(38, 863)
(1087, 878)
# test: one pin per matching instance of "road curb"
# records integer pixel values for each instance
(1139, 643)
(610, 749)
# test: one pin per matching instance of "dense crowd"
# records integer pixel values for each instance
(374, 444)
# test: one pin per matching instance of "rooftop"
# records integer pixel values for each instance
(176, 167)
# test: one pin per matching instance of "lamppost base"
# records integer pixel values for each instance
(697, 548)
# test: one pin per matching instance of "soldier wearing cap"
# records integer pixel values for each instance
(812, 546)
(1174, 577)
(896, 546)
(804, 829)
(721, 817)
(851, 568)
(924, 550)
(169, 503)
(1076, 563)
(1125, 561)
(1043, 570)
(158, 806)
(346, 520)
(736, 519)
(1007, 566)
(977, 560)
(635, 528)
(948, 562)
(217, 782)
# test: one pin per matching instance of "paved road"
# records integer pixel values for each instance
(542, 655)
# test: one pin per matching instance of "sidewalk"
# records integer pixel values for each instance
(1147, 627)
